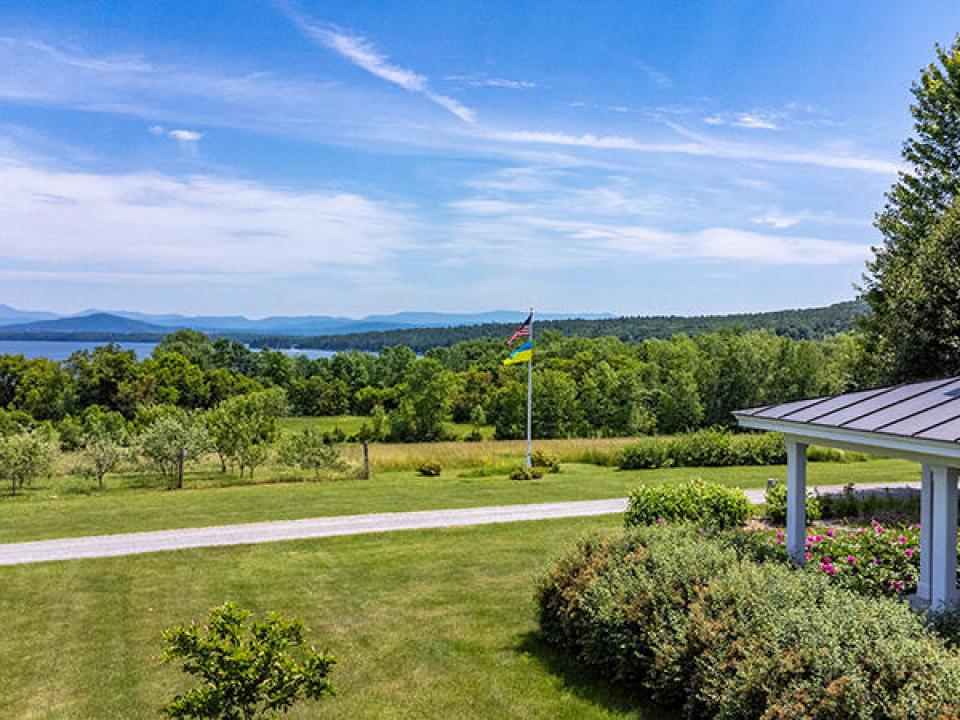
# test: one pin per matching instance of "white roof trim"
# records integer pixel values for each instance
(938, 452)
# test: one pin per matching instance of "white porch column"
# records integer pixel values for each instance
(943, 537)
(796, 498)
(926, 529)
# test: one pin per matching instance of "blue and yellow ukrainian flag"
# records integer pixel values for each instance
(522, 354)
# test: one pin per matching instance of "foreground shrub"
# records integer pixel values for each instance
(699, 502)
(429, 468)
(619, 605)
(526, 473)
(776, 499)
(246, 670)
(774, 643)
(686, 620)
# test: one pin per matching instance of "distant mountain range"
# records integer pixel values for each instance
(416, 330)
(14, 322)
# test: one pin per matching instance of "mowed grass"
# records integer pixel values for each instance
(47, 512)
(427, 624)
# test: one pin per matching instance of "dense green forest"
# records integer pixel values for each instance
(582, 386)
(812, 323)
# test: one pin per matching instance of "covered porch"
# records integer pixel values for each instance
(918, 422)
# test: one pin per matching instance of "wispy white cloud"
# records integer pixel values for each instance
(617, 220)
(584, 241)
(755, 122)
(492, 82)
(183, 136)
(750, 120)
(658, 78)
(364, 54)
(514, 179)
(781, 220)
(706, 147)
(186, 135)
(58, 220)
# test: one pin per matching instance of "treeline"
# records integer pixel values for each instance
(582, 387)
(814, 323)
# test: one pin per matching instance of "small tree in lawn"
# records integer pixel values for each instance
(309, 451)
(243, 427)
(247, 670)
(103, 454)
(26, 456)
(171, 437)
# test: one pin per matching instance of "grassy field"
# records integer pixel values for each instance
(351, 424)
(53, 509)
(429, 624)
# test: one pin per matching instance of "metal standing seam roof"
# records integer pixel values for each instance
(929, 410)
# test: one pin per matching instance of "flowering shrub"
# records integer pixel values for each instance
(874, 560)
(684, 618)
(703, 503)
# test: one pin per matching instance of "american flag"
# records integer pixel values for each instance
(522, 331)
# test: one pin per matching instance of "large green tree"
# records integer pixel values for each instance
(905, 336)
(424, 402)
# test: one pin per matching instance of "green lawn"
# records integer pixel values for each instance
(47, 511)
(427, 624)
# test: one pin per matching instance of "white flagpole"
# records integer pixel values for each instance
(530, 397)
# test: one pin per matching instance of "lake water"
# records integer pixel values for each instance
(62, 349)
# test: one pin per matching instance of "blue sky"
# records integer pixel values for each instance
(359, 157)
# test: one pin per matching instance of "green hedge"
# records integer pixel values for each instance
(687, 621)
(704, 448)
(776, 499)
(703, 503)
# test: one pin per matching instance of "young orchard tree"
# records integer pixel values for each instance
(246, 670)
(103, 454)
(173, 437)
(309, 451)
(242, 428)
(26, 456)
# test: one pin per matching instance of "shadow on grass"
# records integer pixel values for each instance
(589, 686)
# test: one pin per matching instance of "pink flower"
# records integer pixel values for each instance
(807, 556)
(873, 561)
(908, 552)
(780, 533)
(831, 569)
(817, 538)
(898, 585)
(661, 521)
(830, 532)
(851, 559)
(901, 539)
(827, 560)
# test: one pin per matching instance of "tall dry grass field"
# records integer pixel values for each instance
(493, 456)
